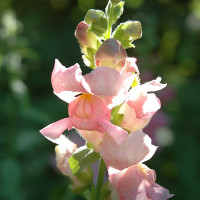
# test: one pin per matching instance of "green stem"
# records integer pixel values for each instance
(100, 180)
(110, 20)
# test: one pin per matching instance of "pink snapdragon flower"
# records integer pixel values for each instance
(89, 97)
(136, 148)
(140, 105)
(137, 183)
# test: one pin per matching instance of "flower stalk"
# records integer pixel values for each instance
(100, 179)
(110, 22)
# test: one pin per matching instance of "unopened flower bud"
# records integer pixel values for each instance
(97, 21)
(63, 153)
(86, 38)
(134, 30)
(127, 32)
(111, 54)
(88, 41)
(114, 2)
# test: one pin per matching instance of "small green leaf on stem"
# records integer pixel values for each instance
(82, 158)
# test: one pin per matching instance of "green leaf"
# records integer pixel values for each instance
(108, 9)
(118, 11)
(82, 158)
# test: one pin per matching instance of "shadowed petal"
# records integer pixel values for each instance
(93, 137)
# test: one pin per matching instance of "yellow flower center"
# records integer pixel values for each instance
(84, 106)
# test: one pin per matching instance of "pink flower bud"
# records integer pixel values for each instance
(87, 39)
(111, 54)
(63, 153)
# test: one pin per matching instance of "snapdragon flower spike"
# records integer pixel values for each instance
(136, 148)
(137, 183)
(89, 110)
(140, 106)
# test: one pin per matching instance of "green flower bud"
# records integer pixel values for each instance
(134, 30)
(97, 21)
(127, 32)
(114, 2)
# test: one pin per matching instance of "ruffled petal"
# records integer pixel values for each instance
(144, 105)
(67, 82)
(108, 84)
(131, 66)
(153, 85)
(130, 121)
(54, 130)
(136, 148)
(137, 183)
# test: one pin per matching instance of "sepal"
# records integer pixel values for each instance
(83, 181)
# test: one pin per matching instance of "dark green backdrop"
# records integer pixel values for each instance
(35, 32)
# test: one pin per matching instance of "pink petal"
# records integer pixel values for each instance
(93, 137)
(136, 148)
(66, 82)
(131, 66)
(145, 105)
(109, 84)
(127, 181)
(130, 121)
(116, 134)
(137, 183)
(153, 86)
(85, 112)
(157, 192)
(54, 130)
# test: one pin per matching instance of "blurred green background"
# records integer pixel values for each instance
(35, 32)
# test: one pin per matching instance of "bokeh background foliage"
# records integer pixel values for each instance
(35, 32)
